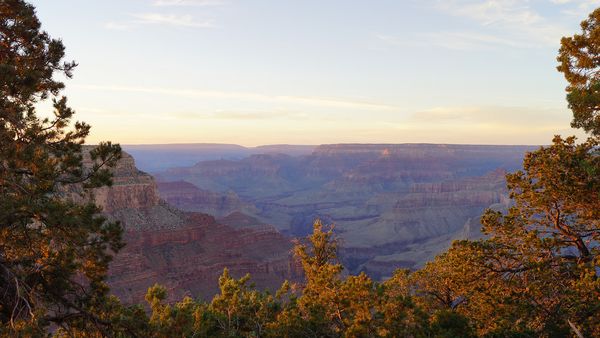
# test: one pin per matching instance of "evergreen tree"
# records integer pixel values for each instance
(330, 305)
(54, 252)
(240, 310)
(536, 272)
(544, 248)
(579, 59)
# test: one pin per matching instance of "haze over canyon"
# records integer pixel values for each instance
(393, 205)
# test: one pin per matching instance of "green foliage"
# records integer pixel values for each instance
(579, 58)
(544, 245)
(397, 314)
(241, 311)
(450, 324)
(54, 251)
(326, 305)
(536, 272)
(183, 319)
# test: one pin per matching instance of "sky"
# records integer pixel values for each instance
(256, 72)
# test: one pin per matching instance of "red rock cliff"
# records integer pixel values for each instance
(185, 251)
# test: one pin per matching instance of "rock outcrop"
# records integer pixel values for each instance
(184, 251)
(187, 196)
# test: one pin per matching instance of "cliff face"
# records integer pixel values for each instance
(392, 205)
(187, 196)
(131, 188)
(185, 251)
(189, 259)
(412, 227)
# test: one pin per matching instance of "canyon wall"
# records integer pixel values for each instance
(392, 205)
(184, 251)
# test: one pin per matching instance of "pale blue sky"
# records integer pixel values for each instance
(257, 72)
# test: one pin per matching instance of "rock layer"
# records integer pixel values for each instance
(187, 196)
(184, 251)
(392, 205)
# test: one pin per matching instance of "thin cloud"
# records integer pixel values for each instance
(172, 20)
(187, 3)
(156, 17)
(579, 9)
(492, 11)
(507, 20)
(505, 116)
(455, 40)
(470, 40)
(243, 115)
(249, 96)
(501, 23)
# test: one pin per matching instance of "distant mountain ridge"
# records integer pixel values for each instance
(156, 157)
(394, 205)
(153, 158)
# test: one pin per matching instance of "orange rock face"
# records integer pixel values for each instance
(184, 251)
(188, 260)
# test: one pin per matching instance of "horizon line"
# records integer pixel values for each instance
(327, 144)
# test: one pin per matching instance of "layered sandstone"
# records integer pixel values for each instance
(131, 188)
(184, 251)
(189, 259)
(393, 205)
(187, 196)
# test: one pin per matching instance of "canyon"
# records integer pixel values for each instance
(185, 251)
(392, 205)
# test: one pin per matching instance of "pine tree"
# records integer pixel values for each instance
(579, 59)
(544, 247)
(54, 252)
(536, 273)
